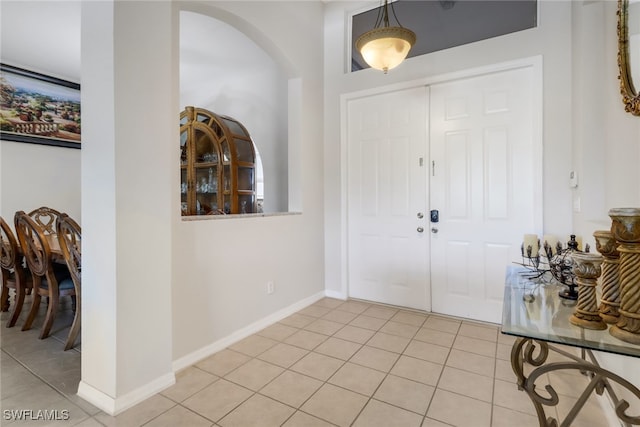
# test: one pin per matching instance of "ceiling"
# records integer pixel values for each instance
(49, 44)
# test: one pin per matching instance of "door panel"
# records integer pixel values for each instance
(483, 184)
(387, 189)
(457, 184)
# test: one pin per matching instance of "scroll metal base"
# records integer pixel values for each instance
(535, 353)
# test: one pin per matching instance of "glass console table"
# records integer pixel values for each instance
(534, 313)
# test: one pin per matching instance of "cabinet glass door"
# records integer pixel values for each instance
(207, 170)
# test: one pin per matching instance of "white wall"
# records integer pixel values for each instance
(217, 270)
(37, 175)
(585, 126)
(607, 139)
(221, 266)
(551, 39)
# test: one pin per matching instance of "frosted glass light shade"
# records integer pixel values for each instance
(385, 48)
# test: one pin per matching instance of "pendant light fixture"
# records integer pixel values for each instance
(385, 47)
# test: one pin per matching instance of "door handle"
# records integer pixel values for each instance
(420, 229)
(434, 230)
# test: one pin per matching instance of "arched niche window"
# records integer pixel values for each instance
(225, 72)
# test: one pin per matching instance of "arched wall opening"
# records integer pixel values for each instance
(225, 71)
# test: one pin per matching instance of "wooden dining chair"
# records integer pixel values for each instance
(69, 236)
(48, 281)
(14, 274)
(46, 218)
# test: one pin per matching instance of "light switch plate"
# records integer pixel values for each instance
(573, 179)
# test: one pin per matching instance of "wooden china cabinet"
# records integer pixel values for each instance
(217, 164)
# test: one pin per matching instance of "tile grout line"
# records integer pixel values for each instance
(273, 379)
(379, 330)
(389, 373)
(46, 383)
(324, 382)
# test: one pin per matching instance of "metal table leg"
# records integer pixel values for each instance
(535, 353)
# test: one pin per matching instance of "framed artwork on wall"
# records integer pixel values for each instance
(39, 109)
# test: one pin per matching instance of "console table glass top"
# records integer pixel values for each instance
(533, 309)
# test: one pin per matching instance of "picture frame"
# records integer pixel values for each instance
(39, 109)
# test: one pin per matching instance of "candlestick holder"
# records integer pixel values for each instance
(536, 267)
(533, 262)
(625, 227)
(610, 301)
(587, 269)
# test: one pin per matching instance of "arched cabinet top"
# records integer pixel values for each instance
(217, 164)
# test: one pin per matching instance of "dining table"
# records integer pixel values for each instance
(54, 244)
(56, 251)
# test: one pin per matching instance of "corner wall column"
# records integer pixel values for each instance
(129, 116)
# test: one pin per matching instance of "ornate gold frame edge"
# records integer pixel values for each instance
(630, 97)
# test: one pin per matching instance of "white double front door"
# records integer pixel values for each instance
(467, 149)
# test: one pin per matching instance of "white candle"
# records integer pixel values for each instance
(531, 240)
(551, 241)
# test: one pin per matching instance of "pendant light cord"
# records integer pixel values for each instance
(383, 15)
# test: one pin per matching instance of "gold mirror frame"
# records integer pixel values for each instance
(630, 97)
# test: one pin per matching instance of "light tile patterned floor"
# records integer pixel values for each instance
(333, 363)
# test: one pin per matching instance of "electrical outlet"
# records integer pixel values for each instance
(270, 288)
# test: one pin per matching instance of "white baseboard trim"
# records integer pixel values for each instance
(114, 406)
(336, 294)
(206, 351)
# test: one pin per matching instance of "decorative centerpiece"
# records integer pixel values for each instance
(558, 263)
(561, 266)
(625, 227)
